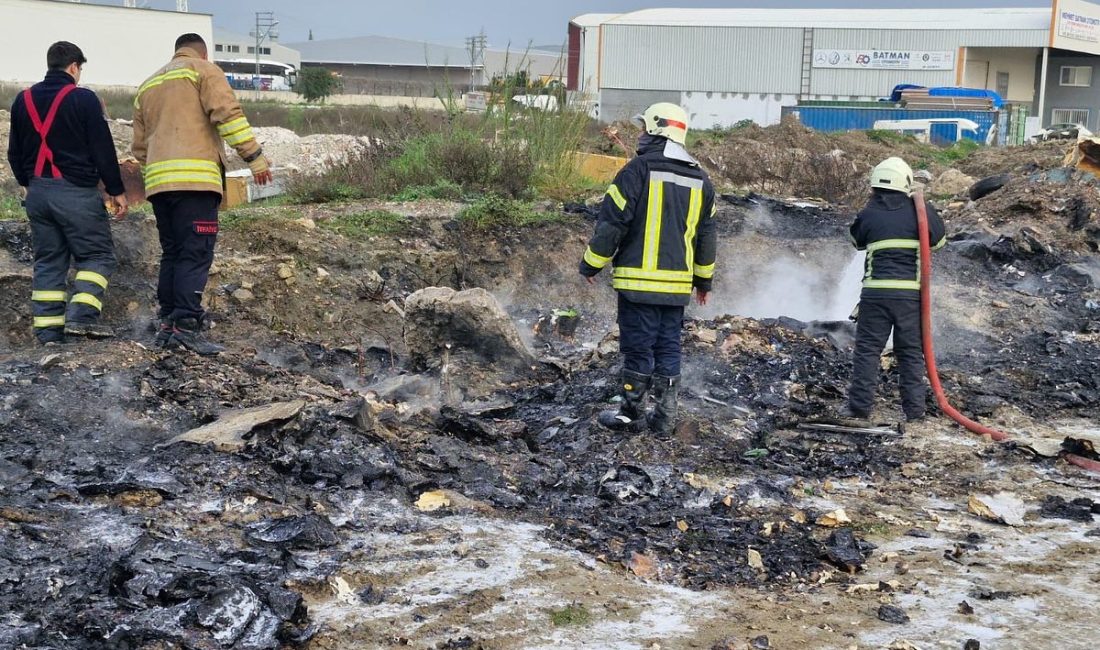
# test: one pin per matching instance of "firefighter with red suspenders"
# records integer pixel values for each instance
(60, 149)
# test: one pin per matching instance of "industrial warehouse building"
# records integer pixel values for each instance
(124, 45)
(379, 65)
(727, 65)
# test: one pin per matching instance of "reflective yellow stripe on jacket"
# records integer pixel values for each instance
(649, 277)
(869, 282)
(594, 259)
(617, 196)
(236, 131)
(695, 209)
(651, 286)
(657, 281)
(705, 271)
(182, 171)
(180, 73)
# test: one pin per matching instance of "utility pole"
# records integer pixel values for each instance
(265, 30)
(475, 46)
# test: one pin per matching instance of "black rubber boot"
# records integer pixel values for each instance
(51, 336)
(164, 333)
(631, 413)
(846, 412)
(187, 332)
(666, 393)
(91, 330)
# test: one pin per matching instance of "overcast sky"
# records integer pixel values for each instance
(542, 22)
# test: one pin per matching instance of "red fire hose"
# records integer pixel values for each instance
(929, 348)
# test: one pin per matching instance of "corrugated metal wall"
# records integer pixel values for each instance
(769, 60)
(875, 83)
(651, 57)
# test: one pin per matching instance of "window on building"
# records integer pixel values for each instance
(1002, 84)
(1069, 116)
(251, 50)
(217, 47)
(232, 48)
(265, 50)
(1076, 75)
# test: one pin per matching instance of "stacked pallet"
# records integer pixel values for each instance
(918, 98)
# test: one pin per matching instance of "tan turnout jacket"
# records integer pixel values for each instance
(181, 116)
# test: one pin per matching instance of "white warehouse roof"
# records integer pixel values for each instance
(592, 20)
(1037, 18)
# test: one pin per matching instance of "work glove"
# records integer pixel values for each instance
(261, 170)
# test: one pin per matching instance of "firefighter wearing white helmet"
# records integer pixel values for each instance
(893, 174)
(656, 228)
(890, 302)
(665, 120)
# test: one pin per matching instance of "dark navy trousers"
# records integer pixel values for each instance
(187, 223)
(69, 224)
(877, 319)
(649, 337)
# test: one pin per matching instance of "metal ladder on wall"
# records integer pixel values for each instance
(807, 61)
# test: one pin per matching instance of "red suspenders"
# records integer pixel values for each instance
(43, 128)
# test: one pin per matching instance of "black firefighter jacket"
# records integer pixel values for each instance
(656, 228)
(887, 229)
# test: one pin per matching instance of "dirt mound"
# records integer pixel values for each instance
(790, 159)
(1025, 159)
(1059, 208)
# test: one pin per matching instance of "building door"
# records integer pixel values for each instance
(977, 74)
(1002, 85)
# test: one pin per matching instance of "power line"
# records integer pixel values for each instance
(265, 30)
(475, 46)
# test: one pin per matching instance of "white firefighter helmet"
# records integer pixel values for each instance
(893, 174)
(666, 120)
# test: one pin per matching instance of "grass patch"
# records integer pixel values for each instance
(926, 154)
(570, 615)
(370, 223)
(441, 189)
(10, 209)
(958, 151)
(887, 137)
(495, 211)
(872, 528)
(718, 133)
(239, 219)
(119, 103)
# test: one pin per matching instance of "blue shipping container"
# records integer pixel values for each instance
(851, 118)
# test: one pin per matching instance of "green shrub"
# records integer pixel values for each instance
(495, 211)
(441, 189)
(370, 223)
(461, 158)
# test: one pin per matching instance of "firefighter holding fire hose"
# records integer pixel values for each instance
(890, 301)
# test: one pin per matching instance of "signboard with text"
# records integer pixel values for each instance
(1075, 25)
(884, 60)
